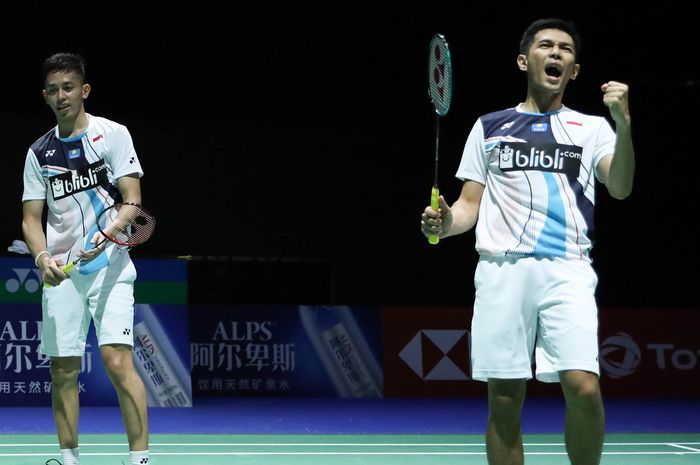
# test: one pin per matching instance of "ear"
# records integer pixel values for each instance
(45, 95)
(522, 62)
(86, 90)
(577, 69)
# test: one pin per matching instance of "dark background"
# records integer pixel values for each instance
(289, 150)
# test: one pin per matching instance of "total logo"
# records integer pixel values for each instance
(438, 354)
(620, 356)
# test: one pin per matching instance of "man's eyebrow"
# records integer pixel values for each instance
(552, 41)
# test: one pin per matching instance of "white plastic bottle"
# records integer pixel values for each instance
(343, 350)
(168, 382)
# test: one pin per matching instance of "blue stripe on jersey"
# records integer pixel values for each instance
(552, 240)
(98, 262)
(72, 139)
(101, 260)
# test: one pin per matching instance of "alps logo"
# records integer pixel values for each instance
(73, 154)
(80, 180)
(539, 127)
(557, 158)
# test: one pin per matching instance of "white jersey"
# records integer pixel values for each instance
(76, 177)
(539, 176)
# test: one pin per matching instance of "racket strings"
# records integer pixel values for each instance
(127, 224)
(440, 74)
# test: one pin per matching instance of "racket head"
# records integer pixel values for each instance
(440, 74)
(126, 224)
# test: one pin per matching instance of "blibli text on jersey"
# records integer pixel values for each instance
(523, 156)
(75, 181)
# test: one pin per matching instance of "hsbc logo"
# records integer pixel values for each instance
(438, 354)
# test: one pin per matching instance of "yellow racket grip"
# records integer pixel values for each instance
(65, 269)
(435, 204)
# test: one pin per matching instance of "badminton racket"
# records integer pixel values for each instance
(440, 92)
(125, 224)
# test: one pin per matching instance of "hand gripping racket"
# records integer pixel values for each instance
(440, 92)
(125, 224)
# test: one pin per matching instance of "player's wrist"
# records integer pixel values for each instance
(40, 255)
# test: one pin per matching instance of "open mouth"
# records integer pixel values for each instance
(552, 71)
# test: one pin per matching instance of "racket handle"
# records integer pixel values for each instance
(65, 269)
(435, 204)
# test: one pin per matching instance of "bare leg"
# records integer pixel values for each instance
(585, 417)
(504, 439)
(64, 399)
(130, 392)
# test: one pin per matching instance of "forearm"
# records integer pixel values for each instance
(622, 165)
(464, 216)
(34, 236)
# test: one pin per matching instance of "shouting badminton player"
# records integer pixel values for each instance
(529, 175)
(78, 169)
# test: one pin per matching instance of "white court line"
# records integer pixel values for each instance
(354, 444)
(348, 444)
(121, 454)
(682, 446)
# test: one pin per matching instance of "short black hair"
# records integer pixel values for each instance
(550, 23)
(64, 62)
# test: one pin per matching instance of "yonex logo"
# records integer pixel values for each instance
(507, 125)
(49, 153)
(126, 331)
(30, 284)
(619, 355)
(438, 354)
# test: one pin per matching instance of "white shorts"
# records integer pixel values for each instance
(105, 297)
(545, 304)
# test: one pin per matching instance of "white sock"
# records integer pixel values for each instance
(138, 457)
(71, 456)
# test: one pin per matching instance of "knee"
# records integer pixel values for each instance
(506, 396)
(64, 371)
(116, 366)
(582, 389)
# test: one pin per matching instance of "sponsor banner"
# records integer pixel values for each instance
(160, 356)
(159, 280)
(643, 352)
(426, 352)
(161, 339)
(280, 351)
(650, 352)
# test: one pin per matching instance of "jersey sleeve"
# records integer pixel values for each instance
(34, 185)
(605, 142)
(122, 155)
(474, 163)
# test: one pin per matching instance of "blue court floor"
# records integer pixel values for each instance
(361, 416)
